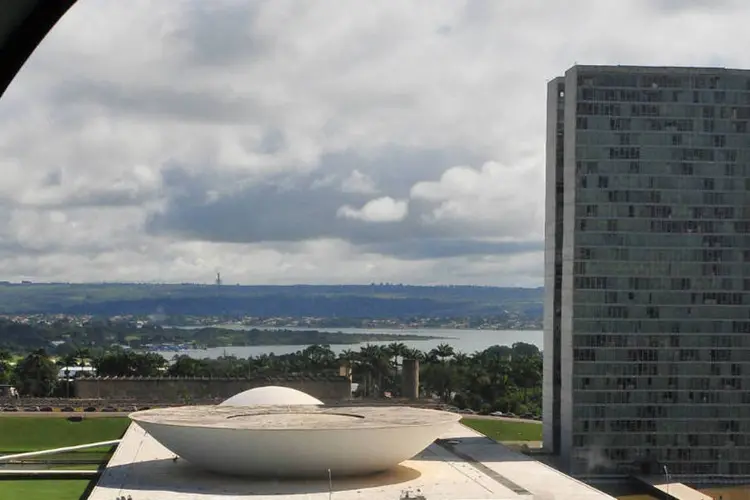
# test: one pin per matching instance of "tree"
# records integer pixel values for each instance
(397, 350)
(185, 366)
(442, 352)
(129, 364)
(441, 379)
(5, 367)
(35, 375)
(525, 349)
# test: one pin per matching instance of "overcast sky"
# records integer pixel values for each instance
(320, 141)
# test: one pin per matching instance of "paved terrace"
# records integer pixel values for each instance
(672, 490)
(461, 465)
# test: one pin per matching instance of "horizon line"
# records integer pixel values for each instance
(224, 284)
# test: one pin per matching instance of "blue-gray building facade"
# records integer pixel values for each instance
(647, 271)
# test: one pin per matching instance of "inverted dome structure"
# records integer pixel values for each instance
(271, 395)
(295, 441)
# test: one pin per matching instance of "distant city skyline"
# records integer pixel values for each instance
(160, 141)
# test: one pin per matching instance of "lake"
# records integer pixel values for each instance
(466, 341)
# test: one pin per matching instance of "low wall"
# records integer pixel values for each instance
(191, 389)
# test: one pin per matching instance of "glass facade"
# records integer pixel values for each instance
(659, 316)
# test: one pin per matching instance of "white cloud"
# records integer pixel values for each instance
(384, 209)
(357, 182)
(229, 118)
(508, 199)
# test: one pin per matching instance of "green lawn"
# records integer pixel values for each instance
(41, 489)
(19, 434)
(504, 430)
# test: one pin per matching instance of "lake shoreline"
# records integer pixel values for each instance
(464, 340)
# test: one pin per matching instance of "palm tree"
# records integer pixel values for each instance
(415, 354)
(374, 363)
(442, 352)
(461, 359)
(397, 350)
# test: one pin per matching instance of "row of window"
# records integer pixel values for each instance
(594, 297)
(639, 181)
(665, 255)
(686, 468)
(629, 435)
(660, 168)
(677, 454)
(671, 334)
(650, 196)
(668, 110)
(617, 142)
(661, 212)
(661, 241)
(720, 378)
(647, 79)
(654, 95)
(703, 359)
(702, 404)
(644, 225)
(678, 418)
(629, 376)
(633, 276)
(669, 313)
(658, 153)
(657, 127)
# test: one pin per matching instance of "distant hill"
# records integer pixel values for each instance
(352, 301)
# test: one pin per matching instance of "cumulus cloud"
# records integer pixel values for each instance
(384, 209)
(508, 198)
(317, 142)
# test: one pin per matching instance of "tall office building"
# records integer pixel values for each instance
(647, 280)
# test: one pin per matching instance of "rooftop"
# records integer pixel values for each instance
(271, 395)
(294, 417)
(462, 464)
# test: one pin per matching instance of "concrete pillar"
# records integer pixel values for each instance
(345, 369)
(410, 378)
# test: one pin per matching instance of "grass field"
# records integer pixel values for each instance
(20, 434)
(505, 430)
(39, 489)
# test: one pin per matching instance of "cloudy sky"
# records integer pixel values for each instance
(324, 141)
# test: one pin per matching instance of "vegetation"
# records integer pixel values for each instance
(35, 374)
(101, 335)
(505, 430)
(21, 434)
(222, 337)
(43, 489)
(367, 301)
(500, 378)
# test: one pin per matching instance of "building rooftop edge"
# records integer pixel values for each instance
(655, 68)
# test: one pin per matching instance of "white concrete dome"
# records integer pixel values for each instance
(271, 395)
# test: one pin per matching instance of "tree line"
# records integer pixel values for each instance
(500, 378)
